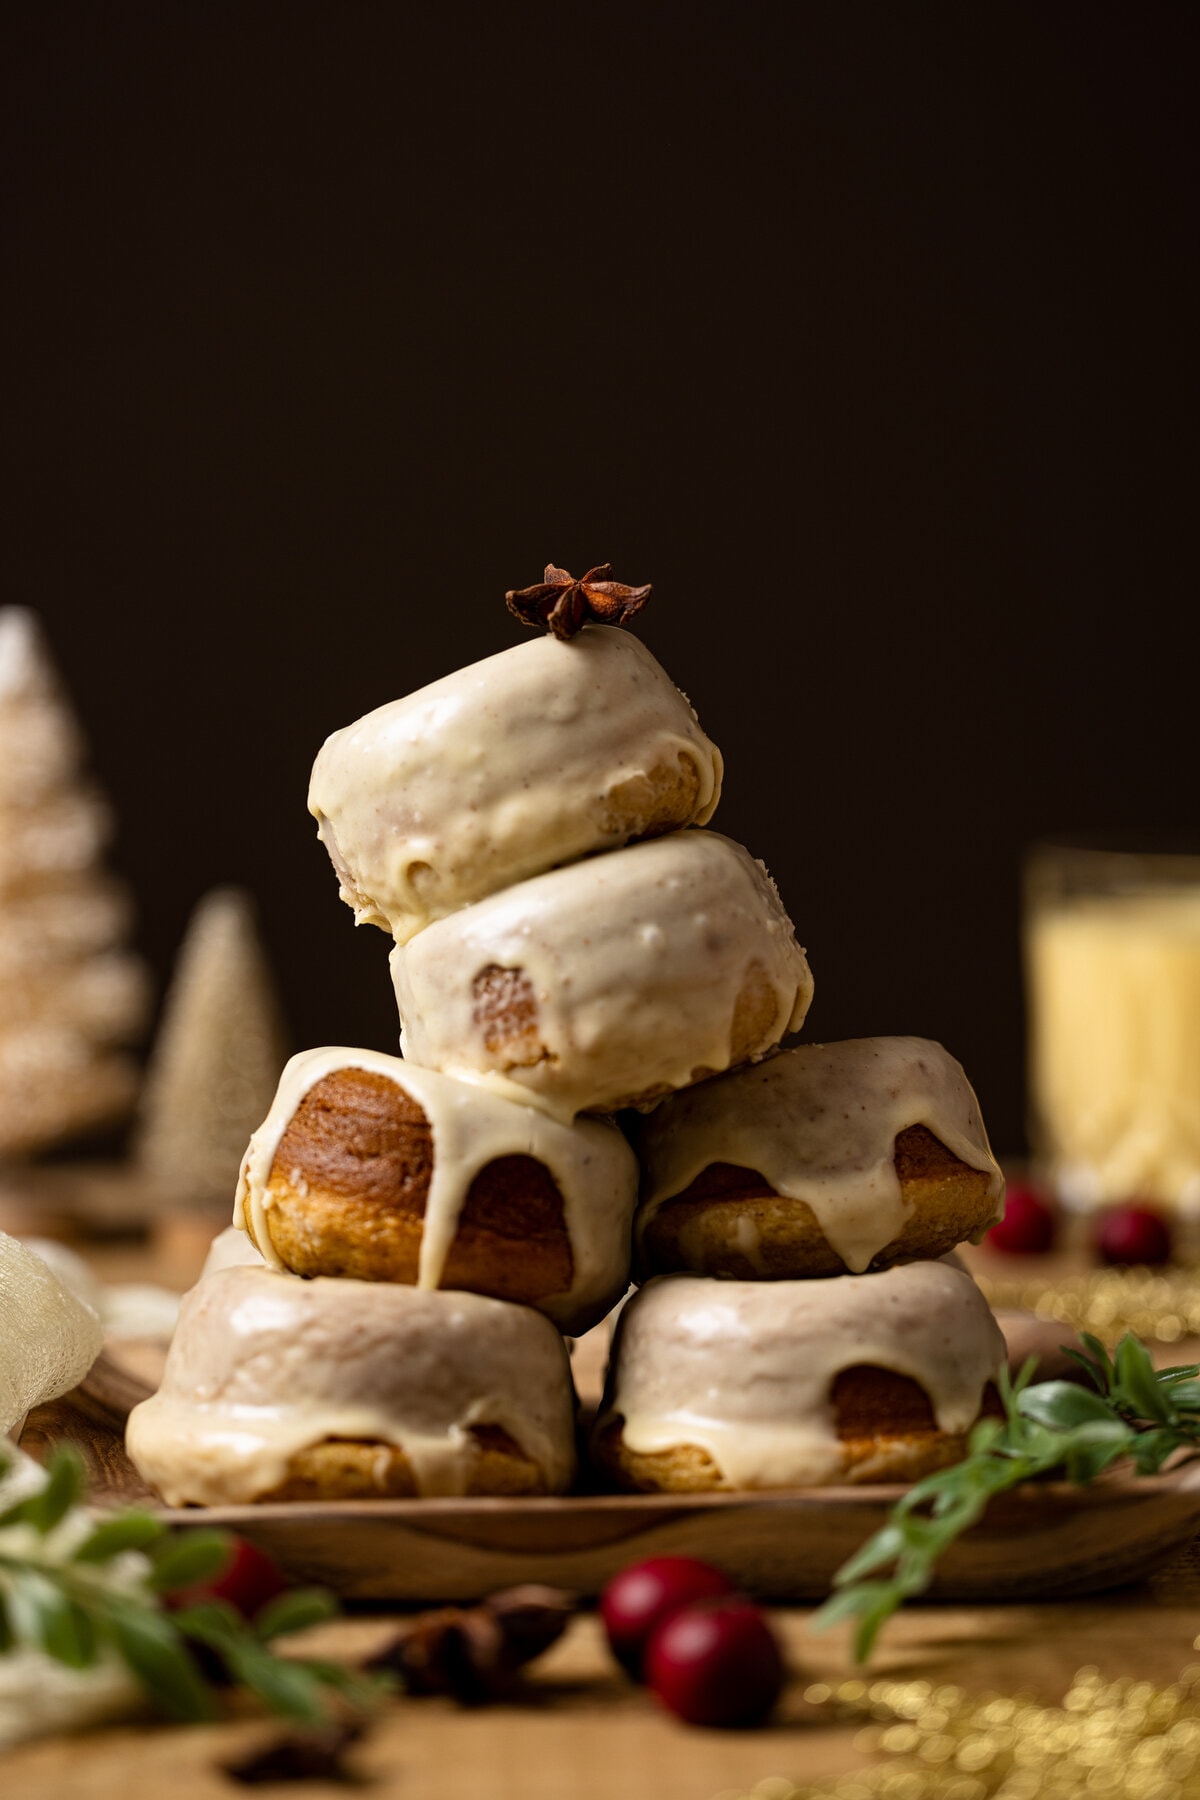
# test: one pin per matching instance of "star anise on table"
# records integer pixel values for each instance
(564, 604)
(301, 1753)
(475, 1654)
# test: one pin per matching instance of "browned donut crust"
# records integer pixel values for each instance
(665, 798)
(698, 1231)
(506, 1013)
(349, 1184)
(358, 1469)
(885, 1424)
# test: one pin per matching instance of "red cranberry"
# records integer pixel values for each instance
(716, 1663)
(1133, 1234)
(642, 1597)
(249, 1579)
(1027, 1226)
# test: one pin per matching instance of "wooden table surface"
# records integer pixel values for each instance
(581, 1731)
(584, 1733)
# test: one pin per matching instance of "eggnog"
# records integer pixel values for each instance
(1114, 992)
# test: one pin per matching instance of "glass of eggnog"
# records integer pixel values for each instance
(1112, 964)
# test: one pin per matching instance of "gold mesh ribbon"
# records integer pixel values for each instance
(1116, 1740)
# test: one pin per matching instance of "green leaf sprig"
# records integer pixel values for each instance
(81, 1590)
(1137, 1412)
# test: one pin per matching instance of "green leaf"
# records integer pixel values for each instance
(121, 1532)
(984, 1435)
(56, 1599)
(1025, 1375)
(63, 1489)
(1086, 1462)
(1179, 1372)
(287, 1687)
(26, 1603)
(73, 1638)
(1152, 1449)
(1064, 1404)
(1049, 1428)
(853, 1602)
(294, 1610)
(152, 1649)
(1139, 1385)
(883, 1547)
(1098, 1353)
(212, 1622)
(359, 1689)
(45, 1618)
(190, 1557)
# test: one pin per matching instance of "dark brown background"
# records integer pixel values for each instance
(868, 333)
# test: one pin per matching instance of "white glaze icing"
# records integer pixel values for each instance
(498, 772)
(591, 1162)
(636, 959)
(819, 1123)
(231, 1249)
(745, 1369)
(263, 1365)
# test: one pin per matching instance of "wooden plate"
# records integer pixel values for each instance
(1045, 1540)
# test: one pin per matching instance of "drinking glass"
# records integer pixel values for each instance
(1112, 962)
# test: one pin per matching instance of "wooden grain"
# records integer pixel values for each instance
(580, 1731)
(1046, 1539)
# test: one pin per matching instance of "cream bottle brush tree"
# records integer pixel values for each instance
(216, 1061)
(70, 993)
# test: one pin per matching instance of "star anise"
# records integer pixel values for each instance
(301, 1753)
(564, 604)
(475, 1653)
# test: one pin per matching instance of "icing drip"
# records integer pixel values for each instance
(263, 1365)
(637, 961)
(499, 771)
(592, 1164)
(744, 1369)
(819, 1123)
(231, 1249)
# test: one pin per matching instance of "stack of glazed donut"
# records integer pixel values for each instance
(420, 1231)
(569, 940)
(800, 1322)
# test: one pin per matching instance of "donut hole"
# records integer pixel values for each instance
(505, 1009)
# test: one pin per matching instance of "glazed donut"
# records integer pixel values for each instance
(369, 1167)
(609, 983)
(529, 759)
(826, 1158)
(741, 1384)
(279, 1389)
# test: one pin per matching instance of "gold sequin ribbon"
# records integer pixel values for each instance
(1115, 1740)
